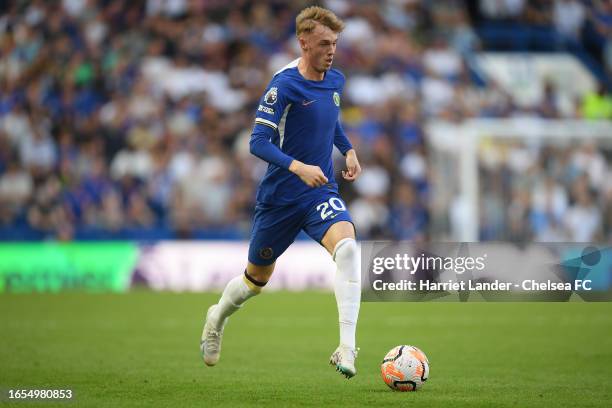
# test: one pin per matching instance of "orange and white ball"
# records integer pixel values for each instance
(405, 368)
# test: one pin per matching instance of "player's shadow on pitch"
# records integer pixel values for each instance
(388, 390)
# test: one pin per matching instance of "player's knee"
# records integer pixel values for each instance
(260, 274)
(346, 255)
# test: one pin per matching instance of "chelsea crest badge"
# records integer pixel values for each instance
(337, 98)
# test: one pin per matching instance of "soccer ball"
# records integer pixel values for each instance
(405, 368)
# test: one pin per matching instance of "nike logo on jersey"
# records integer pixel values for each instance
(306, 103)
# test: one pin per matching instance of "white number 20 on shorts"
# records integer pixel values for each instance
(335, 203)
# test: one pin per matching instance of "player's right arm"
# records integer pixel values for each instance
(272, 107)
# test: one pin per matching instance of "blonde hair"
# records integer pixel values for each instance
(308, 18)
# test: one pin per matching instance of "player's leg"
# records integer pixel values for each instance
(330, 224)
(340, 243)
(236, 292)
(239, 290)
(339, 240)
(274, 229)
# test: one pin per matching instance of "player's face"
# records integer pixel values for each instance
(320, 47)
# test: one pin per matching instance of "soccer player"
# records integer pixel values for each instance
(296, 128)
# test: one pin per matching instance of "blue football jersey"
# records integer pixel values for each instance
(297, 119)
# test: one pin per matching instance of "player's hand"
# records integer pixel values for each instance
(353, 169)
(312, 176)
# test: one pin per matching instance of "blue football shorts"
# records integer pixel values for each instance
(276, 227)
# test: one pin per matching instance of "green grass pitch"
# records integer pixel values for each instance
(141, 349)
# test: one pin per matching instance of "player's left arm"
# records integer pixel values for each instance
(353, 168)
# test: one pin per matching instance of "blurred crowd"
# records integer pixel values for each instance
(545, 193)
(577, 23)
(131, 119)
